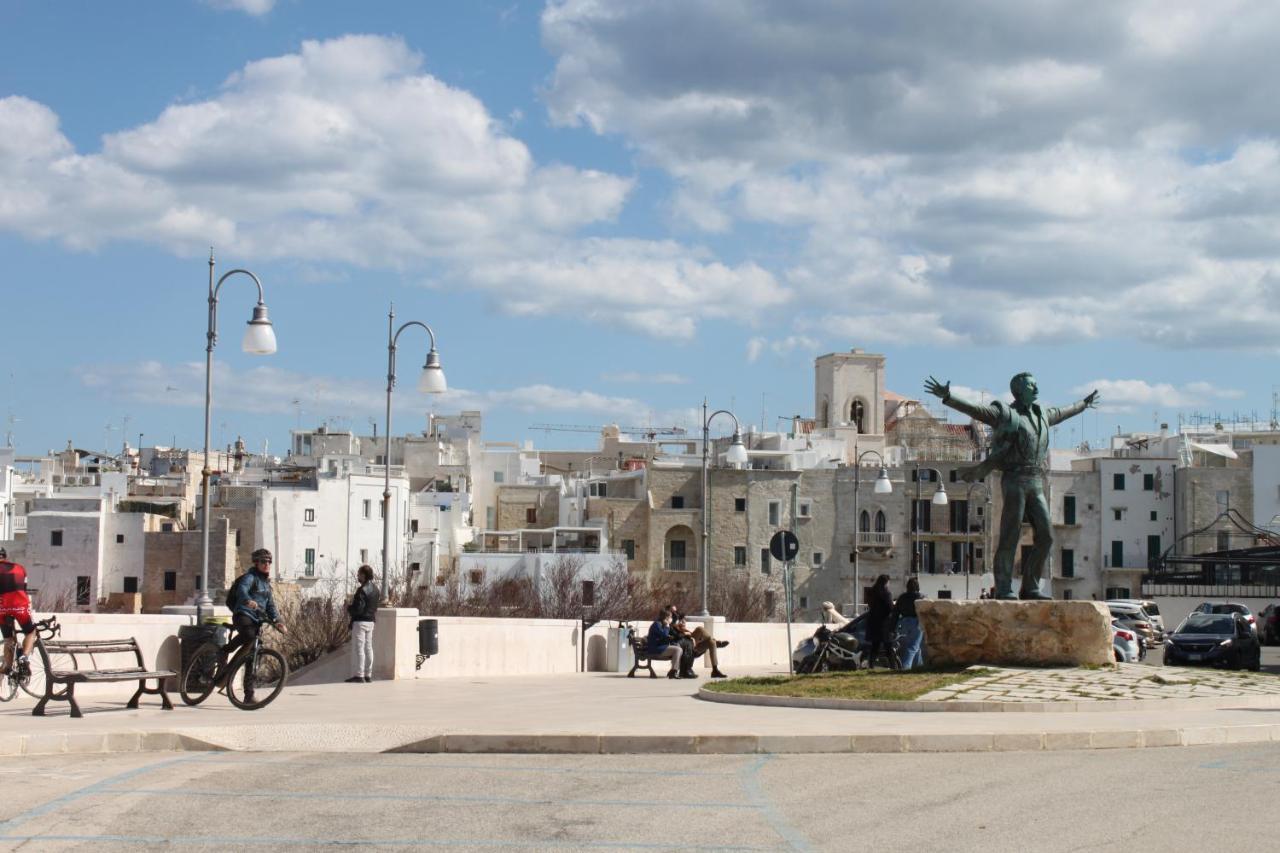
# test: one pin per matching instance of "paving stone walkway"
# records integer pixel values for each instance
(1125, 681)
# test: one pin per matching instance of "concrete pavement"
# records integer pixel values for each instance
(1151, 799)
(593, 713)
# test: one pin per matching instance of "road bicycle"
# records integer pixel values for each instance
(31, 678)
(253, 678)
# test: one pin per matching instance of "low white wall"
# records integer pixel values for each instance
(157, 637)
(496, 647)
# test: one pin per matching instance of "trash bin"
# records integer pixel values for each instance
(428, 637)
(192, 637)
(618, 652)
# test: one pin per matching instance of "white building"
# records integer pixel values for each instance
(7, 477)
(83, 549)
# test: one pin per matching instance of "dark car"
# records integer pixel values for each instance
(1214, 639)
(1269, 625)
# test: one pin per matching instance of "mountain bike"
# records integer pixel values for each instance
(31, 678)
(253, 678)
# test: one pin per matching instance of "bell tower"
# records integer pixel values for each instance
(848, 397)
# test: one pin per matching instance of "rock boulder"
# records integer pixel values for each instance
(1016, 633)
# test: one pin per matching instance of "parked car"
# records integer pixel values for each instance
(1135, 619)
(1149, 607)
(1269, 625)
(1126, 645)
(1214, 639)
(1230, 607)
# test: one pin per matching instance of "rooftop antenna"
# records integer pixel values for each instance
(8, 434)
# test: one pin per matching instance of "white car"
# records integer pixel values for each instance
(1148, 606)
(1126, 644)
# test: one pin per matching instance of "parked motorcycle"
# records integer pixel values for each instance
(828, 651)
(843, 649)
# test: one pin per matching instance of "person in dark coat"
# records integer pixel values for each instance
(879, 611)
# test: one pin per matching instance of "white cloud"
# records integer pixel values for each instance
(271, 390)
(1125, 395)
(637, 377)
(977, 169)
(780, 346)
(348, 151)
(257, 8)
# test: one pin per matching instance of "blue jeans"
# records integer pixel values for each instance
(909, 630)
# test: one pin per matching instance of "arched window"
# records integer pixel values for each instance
(864, 522)
(880, 525)
(824, 415)
(857, 413)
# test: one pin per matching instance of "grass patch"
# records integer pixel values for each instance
(861, 684)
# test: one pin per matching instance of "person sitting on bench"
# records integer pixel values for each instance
(662, 642)
(695, 644)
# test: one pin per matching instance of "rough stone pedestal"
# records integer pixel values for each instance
(1016, 633)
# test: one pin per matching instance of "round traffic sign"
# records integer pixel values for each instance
(784, 546)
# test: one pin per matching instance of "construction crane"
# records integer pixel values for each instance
(649, 432)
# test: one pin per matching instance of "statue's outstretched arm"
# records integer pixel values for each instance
(987, 414)
(1057, 416)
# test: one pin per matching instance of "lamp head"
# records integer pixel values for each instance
(940, 496)
(883, 486)
(737, 452)
(260, 337)
(432, 379)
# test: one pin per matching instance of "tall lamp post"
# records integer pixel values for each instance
(939, 499)
(735, 455)
(986, 515)
(431, 381)
(259, 339)
(883, 487)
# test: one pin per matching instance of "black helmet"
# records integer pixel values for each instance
(261, 555)
(4, 555)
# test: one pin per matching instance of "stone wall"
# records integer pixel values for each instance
(1016, 633)
(182, 551)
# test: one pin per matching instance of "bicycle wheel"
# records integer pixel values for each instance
(269, 674)
(34, 684)
(198, 680)
(8, 688)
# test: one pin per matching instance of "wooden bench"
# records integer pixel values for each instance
(62, 652)
(639, 653)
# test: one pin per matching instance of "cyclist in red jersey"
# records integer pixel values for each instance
(15, 608)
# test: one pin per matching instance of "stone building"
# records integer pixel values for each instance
(173, 561)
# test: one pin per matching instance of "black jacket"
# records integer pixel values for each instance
(364, 606)
(905, 606)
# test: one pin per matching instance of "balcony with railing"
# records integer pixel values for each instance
(679, 564)
(875, 539)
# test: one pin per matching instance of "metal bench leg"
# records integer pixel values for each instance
(38, 710)
(164, 695)
(71, 697)
(133, 703)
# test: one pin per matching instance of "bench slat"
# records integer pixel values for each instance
(95, 675)
(84, 649)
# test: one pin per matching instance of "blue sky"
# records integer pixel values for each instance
(609, 210)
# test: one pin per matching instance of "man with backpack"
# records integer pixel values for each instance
(363, 610)
(250, 603)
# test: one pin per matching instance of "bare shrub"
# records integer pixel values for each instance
(59, 599)
(739, 596)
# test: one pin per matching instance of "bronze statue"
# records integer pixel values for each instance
(1020, 451)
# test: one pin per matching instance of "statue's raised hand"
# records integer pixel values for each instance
(1092, 400)
(937, 389)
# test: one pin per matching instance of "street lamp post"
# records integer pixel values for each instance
(736, 455)
(939, 499)
(986, 515)
(883, 487)
(430, 382)
(259, 339)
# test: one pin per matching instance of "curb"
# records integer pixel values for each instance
(970, 706)
(85, 743)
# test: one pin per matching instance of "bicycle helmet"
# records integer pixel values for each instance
(4, 555)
